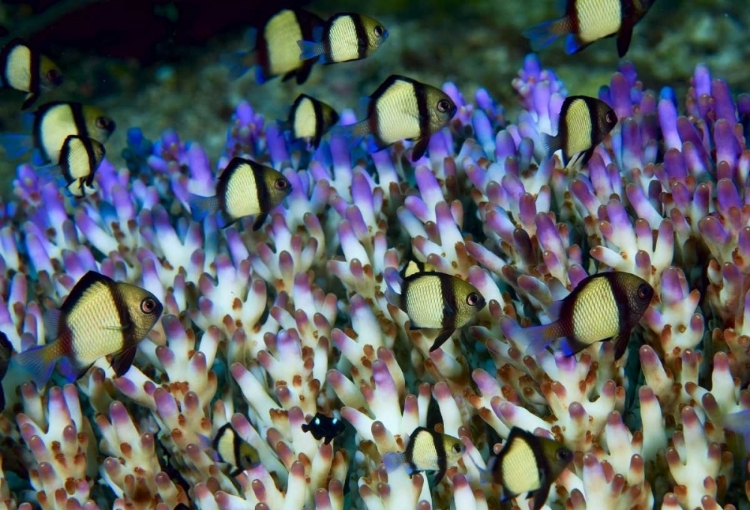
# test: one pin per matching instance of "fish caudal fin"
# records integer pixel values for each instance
(392, 461)
(310, 49)
(39, 362)
(16, 145)
(551, 143)
(200, 206)
(536, 338)
(238, 63)
(544, 34)
(49, 173)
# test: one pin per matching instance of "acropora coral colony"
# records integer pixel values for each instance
(265, 329)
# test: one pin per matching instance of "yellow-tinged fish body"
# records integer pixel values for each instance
(583, 124)
(603, 306)
(587, 21)
(310, 119)
(439, 301)
(404, 109)
(244, 188)
(231, 449)
(79, 159)
(343, 38)
(26, 70)
(528, 464)
(55, 122)
(427, 450)
(99, 317)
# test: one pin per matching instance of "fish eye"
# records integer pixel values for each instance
(54, 76)
(443, 105)
(103, 123)
(379, 30)
(472, 299)
(280, 184)
(643, 291)
(610, 118)
(562, 454)
(148, 305)
(458, 448)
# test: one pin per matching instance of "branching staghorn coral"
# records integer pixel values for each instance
(263, 330)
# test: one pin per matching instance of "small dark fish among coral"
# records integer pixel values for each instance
(276, 48)
(427, 450)
(309, 119)
(53, 124)
(6, 350)
(244, 188)
(79, 160)
(527, 464)
(604, 306)
(26, 70)
(322, 426)
(438, 301)
(99, 317)
(404, 109)
(231, 449)
(587, 21)
(344, 37)
(583, 124)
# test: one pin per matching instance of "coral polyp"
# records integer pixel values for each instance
(266, 329)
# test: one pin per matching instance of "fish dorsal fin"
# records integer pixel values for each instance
(89, 281)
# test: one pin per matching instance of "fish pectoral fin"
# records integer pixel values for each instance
(441, 338)
(420, 147)
(31, 97)
(259, 221)
(122, 361)
(621, 343)
(624, 37)
(540, 495)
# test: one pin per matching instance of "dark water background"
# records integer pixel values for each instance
(156, 64)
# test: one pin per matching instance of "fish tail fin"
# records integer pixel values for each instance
(50, 172)
(39, 362)
(544, 34)
(31, 98)
(311, 49)
(392, 297)
(551, 143)
(356, 130)
(536, 338)
(238, 63)
(16, 145)
(392, 461)
(200, 207)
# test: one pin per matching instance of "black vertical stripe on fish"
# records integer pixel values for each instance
(362, 39)
(6, 351)
(420, 92)
(79, 120)
(264, 200)
(319, 121)
(449, 298)
(34, 70)
(623, 312)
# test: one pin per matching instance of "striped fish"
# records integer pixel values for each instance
(24, 69)
(244, 188)
(587, 21)
(583, 124)
(309, 119)
(343, 38)
(427, 450)
(439, 301)
(99, 317)
(404, 109)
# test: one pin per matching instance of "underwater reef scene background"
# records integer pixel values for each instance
(289, 368)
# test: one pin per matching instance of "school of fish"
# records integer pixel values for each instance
(104, 318)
